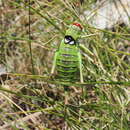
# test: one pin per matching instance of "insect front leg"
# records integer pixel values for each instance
(80, 68)
(54, 63)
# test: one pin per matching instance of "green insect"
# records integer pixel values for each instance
(67, 60)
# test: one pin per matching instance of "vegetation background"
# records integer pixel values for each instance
(30, 33)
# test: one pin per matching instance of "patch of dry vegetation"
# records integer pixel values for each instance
(29, 101)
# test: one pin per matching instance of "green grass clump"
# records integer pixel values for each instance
(30, 100)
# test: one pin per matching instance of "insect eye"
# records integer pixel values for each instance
(71, 42)
(66, 40)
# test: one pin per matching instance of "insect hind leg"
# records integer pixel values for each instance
(54, 63)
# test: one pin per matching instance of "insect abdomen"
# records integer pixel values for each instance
(67, 64)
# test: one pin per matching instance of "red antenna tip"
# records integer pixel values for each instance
(78, 25)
